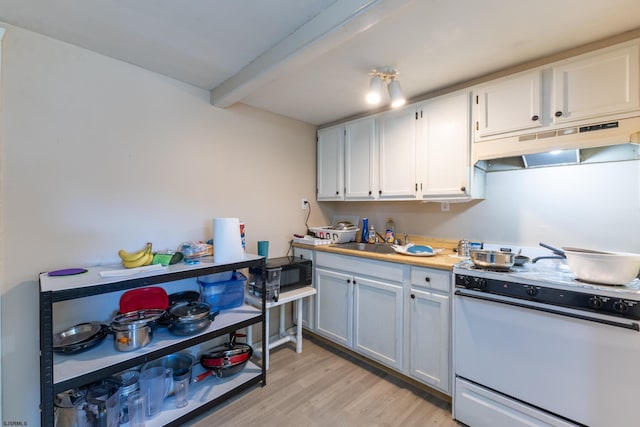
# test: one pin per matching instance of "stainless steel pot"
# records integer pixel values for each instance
(463, 248)
(134, 330)
(181, 363)
(102, 407)
(497, 260)
(66, 406)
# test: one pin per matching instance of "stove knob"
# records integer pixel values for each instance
(531, 291)
(480, 283)
(595, 302)
(620, 306)
(464, 281)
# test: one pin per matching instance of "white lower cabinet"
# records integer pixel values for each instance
(429, 338)
(377, 321)
(359, 305)
(334, 310)
(428, 311)
(395, 314)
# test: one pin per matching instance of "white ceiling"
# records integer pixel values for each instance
(309, 59)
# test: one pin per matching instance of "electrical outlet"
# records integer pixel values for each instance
(304, 204)
(444, 207)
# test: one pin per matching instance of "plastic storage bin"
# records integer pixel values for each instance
(223, 294)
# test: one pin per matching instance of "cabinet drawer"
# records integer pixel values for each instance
(357, 265)
(431, 278)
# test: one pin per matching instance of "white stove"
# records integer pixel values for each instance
(535, 346)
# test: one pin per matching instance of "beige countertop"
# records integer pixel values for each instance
(443, 261)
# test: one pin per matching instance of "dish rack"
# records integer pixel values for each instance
(334, 236)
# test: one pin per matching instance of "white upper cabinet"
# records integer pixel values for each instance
(330, 163)
(444, 147)
(595, 85)
(361, 160)
(509, 104)
(398, 154)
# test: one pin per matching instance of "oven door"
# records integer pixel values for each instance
(579, 366)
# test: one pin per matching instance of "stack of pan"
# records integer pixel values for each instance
(79, 337)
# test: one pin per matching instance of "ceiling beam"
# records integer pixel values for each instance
(336, 24)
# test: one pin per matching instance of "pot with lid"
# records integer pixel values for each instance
(134, 330)
(188, 318)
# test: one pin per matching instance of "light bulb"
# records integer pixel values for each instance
(395, 93)
(375, 90)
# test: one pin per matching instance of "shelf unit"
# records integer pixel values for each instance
(60, 372)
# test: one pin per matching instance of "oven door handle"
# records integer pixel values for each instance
(633, 325)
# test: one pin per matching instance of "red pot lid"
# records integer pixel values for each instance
(153, 297)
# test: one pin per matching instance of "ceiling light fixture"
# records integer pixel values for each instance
(388, 75)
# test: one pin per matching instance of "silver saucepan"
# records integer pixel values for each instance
(497, 260)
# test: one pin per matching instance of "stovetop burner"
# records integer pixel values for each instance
(551, 274)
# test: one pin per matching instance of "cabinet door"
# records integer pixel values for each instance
(509, 104)
(334, 302)
(596, 85)
(361, 167)
(429, 338)
(397, 139)
(444, 129)
(330, 163)
(378, 321)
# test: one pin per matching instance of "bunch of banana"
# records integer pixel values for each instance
(137, 259)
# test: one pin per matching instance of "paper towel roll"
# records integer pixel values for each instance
(227, 244)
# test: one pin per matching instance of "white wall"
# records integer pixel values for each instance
(99, 155)
(592, 206)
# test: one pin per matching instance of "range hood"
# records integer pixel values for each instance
(609, 141)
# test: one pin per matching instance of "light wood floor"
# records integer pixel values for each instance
(323, 386)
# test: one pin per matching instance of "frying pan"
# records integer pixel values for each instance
(225, 360)
(79, 337)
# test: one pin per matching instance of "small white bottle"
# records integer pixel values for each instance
(373, 238)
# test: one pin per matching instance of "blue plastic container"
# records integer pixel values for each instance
(225, 294)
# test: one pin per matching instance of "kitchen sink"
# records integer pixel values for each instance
(378, 248)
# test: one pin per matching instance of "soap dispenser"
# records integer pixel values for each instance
(390, 232)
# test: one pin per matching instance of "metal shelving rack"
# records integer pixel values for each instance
(103, 360)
